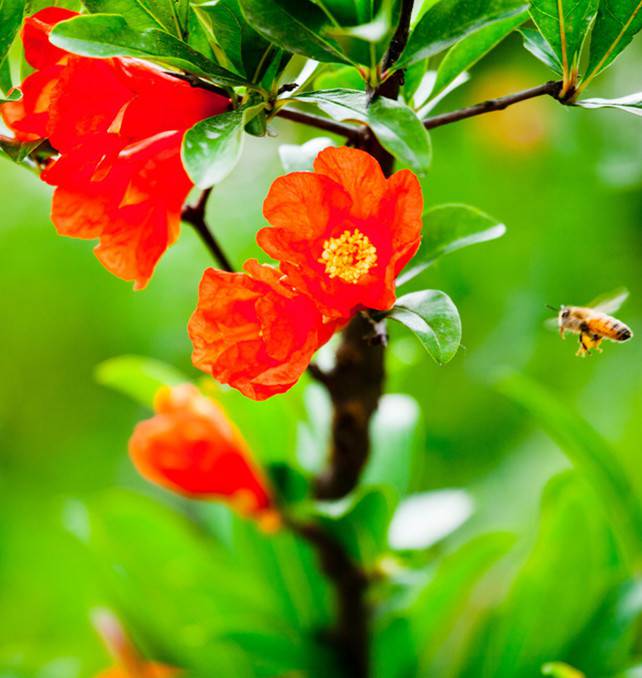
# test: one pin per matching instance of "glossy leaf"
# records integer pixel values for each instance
(16, 151)
(295, 26)
(141, 14)
(616, 23)
(448, 21)
(434, 319)
(467, 52)
(535, 43)
(564, 25)
(108, 35)
(11, 12)
(340, 104)
(300, 157)
(138, 377)
(561, 670)
(630, 104)
(213, 146)
(240, 45)
(587, 450)
(449, 228)
(401, 133)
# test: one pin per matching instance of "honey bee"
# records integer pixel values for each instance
(593, 323)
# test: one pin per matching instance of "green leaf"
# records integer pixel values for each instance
(449, 228)
(587, 450)
(14, 95)
(434, 319)
(564, 25)
(340, 104)
(295, 26)
(360, 522)
(535, 43)
(439, 604)
(561, 670)
(213, 146)
(631, 103)
(140, 14)
(571, 566)
(467, 52)
(616, 23)
(242, 47)
(401, 133)
(448, 21)
(17, 151)
(11, 12)
(109, 35)
(138, 377)
(395, 125)
(340, 77)
(300, 158)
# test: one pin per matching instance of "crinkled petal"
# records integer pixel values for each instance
(358, 173)
(39, 52)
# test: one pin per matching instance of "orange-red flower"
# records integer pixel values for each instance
(343, 232)
(252, 331)
(118, 126)
(191, 447)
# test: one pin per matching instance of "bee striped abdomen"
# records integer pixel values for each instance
(610, 328)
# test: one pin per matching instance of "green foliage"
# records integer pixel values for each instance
(448, 229)
(296, 26)
(467, 52)
(141, 14)
(536, 44)
(11, 12)
(589, 452)
(433, 318)
(448, 21)
(107, 35)
(138, 377)
(571, 566)
(616, 23)
(240, 47)
(629, 104)
(564, 25)
(401, 133)
(213, 147)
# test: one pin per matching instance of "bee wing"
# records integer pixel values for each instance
(610, 302)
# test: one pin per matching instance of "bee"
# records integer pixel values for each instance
(593, 323)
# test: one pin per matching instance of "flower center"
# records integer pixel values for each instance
(349, 257)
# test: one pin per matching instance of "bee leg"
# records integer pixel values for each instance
(562, 333)
(583, 350)
(597, 340)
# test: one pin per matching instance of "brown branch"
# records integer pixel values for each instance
(350, 132)
(349, 638)
(195, 216)
(551, 88)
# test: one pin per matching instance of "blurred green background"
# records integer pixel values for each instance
(79, 529)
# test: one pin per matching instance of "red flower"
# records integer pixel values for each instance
(191, 447)
(252, 331)
(343, 232)
(118, 126)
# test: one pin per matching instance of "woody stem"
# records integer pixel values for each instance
(355, 385)
(195, 216)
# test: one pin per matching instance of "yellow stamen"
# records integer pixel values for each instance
(349, 257)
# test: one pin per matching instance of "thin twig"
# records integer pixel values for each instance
(350, 132)
(551, 88)
(195, 216)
